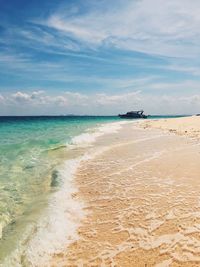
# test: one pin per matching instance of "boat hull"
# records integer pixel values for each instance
(132, 117)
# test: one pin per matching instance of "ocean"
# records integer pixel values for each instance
(38, 156)
(32, 151)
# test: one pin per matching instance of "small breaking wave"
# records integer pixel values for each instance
(89, 137)
(58, 225)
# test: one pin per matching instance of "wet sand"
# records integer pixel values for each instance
(142, 202)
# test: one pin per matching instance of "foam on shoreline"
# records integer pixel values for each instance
(89, 137)
(142, 195)
(58, 225)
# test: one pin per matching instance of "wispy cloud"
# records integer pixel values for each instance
(120, 99)
(100, 56)
(168, 28)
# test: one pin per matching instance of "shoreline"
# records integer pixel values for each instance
(141, 202)
(58, 224)
(53, 222)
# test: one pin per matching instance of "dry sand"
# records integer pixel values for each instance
(188, 126)
(142, 200)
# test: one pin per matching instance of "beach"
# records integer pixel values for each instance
(141, 198)
(100, 133)
(38, 157)
(187, 126)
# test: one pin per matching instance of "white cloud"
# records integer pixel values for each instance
(192, 100)
(21, 97)
(10, 58)
(36, 94)
(1, 99)
(178, 87)
(61, 100)
(163, 27)
(76, 95)
(104, 99)
(38, 38)
(101, 104)
(41, 98)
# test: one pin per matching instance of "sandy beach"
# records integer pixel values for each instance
(141, 198)
(188, 126)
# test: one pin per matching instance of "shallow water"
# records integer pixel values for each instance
(38, 156)
(32, 149)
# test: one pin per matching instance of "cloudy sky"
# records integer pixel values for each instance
(99, 56)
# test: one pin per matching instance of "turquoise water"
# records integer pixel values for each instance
(31, 151)
(28, 160)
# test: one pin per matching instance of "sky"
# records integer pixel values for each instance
(99, 57)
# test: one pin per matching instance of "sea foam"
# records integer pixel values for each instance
(88, 138)
(57, 228)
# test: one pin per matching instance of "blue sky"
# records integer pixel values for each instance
(99, 57)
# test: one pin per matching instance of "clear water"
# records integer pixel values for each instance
(31, 149)
(28, 161)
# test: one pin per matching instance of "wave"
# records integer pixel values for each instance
(88, 138)
(58, 225)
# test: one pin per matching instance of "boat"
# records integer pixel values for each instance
(134, 115)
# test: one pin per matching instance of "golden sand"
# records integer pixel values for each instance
(142, 202)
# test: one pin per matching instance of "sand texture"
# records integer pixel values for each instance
(188, 126)
(142, 202)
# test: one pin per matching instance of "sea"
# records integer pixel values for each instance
(38, 157)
